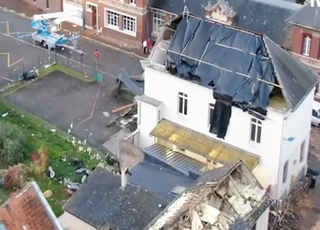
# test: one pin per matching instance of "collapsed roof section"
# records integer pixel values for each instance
(221, 199)
(241, 66)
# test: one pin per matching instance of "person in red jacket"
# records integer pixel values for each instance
(96, 56)
(149, 45)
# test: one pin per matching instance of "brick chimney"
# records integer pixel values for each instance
(220, 12)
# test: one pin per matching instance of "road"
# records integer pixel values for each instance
(16, 54)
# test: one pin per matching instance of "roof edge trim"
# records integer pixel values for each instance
(46, 205)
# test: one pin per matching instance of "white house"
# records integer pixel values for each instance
(194, 58)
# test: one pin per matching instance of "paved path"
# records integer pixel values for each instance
(111, 60)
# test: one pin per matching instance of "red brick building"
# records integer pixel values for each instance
(306, 37)
(121, 20)
(131, 21)
(47, 5)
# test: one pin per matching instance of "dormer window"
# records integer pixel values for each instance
(306, 46)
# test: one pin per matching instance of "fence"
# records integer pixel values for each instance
(70, 61)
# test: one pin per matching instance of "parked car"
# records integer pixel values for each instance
(315, 120)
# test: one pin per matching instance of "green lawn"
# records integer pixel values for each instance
(39, 133)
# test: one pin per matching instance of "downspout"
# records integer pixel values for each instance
(148, 21)
(83, 17)
(279, 166)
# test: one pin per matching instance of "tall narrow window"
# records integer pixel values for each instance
(256, 130)
(129, 24)
(302, 150)
(210, 113)
(306, 46)
(158, 20)
(183, 103)
(47, 4)
(285, 172)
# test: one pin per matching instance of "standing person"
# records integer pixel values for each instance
(96, 56)
(149, 45)
(144, 46)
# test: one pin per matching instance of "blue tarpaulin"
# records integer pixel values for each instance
(230, 59)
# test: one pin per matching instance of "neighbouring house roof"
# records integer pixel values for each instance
(28, 209)
(214, 149)
(102, 203)
(158, 180)
(172, 160)
(260, 16)
(209, 196)
(307, 16)
(244, 66)
(317, 226)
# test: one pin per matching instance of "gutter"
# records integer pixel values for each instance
(47, 206)
(163, 11)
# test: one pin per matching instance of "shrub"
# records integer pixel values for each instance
(12, 144)
(15, 177)
(40, 162)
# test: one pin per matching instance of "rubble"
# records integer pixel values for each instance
(219, 206)
(283, 215)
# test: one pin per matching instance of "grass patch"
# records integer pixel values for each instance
(39, 133)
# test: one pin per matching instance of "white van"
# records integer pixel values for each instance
(316, 114)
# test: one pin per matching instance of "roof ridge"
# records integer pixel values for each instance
(301, 9)
(284, 4)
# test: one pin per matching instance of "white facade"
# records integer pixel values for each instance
(70, 7)
(281, 134)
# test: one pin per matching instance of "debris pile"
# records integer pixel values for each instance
(234, 199)
(127, 119)
(283, 215)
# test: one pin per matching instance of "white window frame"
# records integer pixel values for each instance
(285, 172)
(106, 10)
(133, 2)
(306, 46)
(210, 108)
(256, 124)
(133, 33)
(183, 97)
(89, 5)
(106, 19)
(157, 22)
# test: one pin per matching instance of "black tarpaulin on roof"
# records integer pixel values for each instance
(230, 59)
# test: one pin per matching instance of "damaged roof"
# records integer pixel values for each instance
(101, 202)
(219, 179)
(307, 16)
(243, 65)
(265, 17)
(28, 209)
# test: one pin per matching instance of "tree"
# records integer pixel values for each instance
(12, 144)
